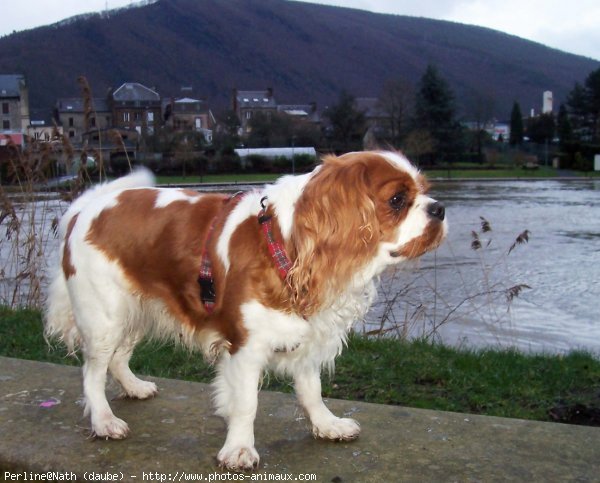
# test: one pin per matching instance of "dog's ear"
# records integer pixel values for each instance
(335, 232)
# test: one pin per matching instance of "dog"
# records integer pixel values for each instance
(272, 279)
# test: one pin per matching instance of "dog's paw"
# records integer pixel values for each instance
(337, 429)
(238, 458)
(142, 390)
(110, 428)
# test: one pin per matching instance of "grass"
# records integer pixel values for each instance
(541, 172)
(218, 178)
(387, 371)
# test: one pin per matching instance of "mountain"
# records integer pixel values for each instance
(306, 52)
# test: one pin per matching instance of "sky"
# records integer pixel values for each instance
(572, 26)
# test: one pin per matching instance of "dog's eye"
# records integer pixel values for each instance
(398, 201)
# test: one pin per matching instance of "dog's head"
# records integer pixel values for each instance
(358, 214)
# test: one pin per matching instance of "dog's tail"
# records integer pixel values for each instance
(59, 322)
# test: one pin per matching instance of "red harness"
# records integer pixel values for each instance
(276, 249)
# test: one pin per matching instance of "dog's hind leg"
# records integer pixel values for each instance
(102, 332)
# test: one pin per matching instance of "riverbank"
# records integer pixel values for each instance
(563, 388)
(496, 174)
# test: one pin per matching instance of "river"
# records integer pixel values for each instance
(560, 263)
(459, 295)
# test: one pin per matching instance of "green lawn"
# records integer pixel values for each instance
(218, 178)
(418, 374)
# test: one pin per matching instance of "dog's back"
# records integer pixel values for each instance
(59, 320)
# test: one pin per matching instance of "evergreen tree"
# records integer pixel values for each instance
(592, 97)
(577, 106)
(564, 131)
(435, 113)
(516, 125)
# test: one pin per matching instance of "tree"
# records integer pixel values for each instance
(396, 101)
(348, 124)
(418, 143)
(516, 125)
(435, 113)
(481, 107)
(541, 129)
(584, 108)
(592, 97)
(278, 129)
(564, 130)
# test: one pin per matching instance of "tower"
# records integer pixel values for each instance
(547, 102)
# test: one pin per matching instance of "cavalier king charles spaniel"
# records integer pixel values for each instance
(272, 279)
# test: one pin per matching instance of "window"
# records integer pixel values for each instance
(150, 117)
(125, 117)
(248, 114)
(198, 123)
(93, 122)
(137, 116)
(5, 124)
(71, 122)
(5, 108)
(71, 133)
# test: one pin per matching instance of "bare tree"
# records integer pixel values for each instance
(397, 101)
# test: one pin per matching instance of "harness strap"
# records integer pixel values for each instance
(208, 294)
(276, 249)
(205, 279)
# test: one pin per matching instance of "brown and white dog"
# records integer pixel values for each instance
(130, 256)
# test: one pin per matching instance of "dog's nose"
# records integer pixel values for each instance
(436, 210)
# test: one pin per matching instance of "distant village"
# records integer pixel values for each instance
(117, 128)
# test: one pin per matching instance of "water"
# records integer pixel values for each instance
(464, 289)
(561, 264)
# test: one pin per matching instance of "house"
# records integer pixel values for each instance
(246, 105)
(70, 113)
(135, 107)
(14, 104)
(188, 114)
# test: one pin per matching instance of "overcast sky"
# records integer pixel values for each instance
(572, 26)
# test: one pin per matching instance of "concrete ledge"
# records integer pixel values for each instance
(176, 435)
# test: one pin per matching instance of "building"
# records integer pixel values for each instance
(135, 107)
(187, 114)
(247, 104)
(14, 104)
(547, 102)
(70, 113)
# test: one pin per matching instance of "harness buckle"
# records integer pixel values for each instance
(207, 289)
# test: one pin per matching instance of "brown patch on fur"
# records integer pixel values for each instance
(159, 250)
(252, 275)
(429, 240)
(67, 266)
(342, 215)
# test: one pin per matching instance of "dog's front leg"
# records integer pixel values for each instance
(236, 398)
(325, 425)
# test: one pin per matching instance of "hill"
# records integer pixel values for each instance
(306, 52)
